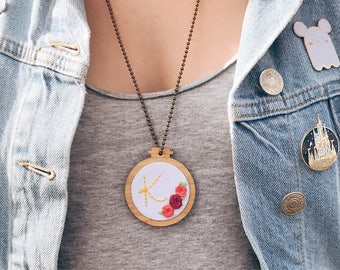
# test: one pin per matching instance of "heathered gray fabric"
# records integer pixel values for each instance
(112, 137)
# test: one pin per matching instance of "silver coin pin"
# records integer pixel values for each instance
(271, 81)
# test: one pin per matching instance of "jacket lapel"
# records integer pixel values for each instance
(263, 22)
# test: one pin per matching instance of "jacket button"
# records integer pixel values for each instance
(271, 82)
(293, 203)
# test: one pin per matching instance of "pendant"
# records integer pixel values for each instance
(159, 190)
(319, 147)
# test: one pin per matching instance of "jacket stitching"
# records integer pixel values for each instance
(307, 102)
(49, 64)
(282, 99)
(37, 61)
(38, 48)
(299, 184)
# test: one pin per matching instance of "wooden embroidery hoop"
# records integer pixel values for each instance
(155, 157)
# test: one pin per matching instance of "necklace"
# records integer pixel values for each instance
(159, 190)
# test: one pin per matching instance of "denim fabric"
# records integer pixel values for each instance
(267, 133)
(41, 96)
(44, 54)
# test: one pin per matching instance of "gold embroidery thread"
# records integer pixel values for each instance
(146, 191)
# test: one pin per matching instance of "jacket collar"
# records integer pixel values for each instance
(263, 22)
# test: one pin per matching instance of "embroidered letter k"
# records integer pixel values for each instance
(146, 191)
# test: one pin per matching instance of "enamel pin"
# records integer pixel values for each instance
(159, 190)
(319, 147)
(318, 43)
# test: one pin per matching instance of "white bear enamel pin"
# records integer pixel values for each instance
(318, 43)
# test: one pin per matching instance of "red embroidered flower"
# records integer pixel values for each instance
(175, 201)
(167, 211)
(181, 190)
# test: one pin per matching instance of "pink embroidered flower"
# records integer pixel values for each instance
(167, 211)
(181, 190)
(175, 201)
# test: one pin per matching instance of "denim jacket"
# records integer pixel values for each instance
(44, 56)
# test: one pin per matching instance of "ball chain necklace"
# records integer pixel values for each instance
(159, 190)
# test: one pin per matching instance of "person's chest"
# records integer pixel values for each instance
(155, 36)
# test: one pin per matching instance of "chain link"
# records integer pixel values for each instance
(133, 78)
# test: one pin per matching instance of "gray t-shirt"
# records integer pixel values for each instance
(112, 137)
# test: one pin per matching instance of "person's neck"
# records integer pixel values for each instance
(154, 34)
